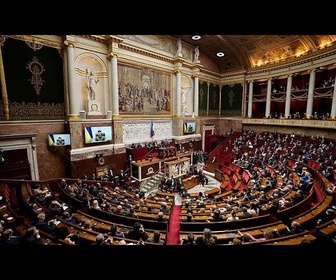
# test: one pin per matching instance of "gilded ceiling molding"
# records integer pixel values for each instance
(132, 63)
(98, 38)
(146, 53)
(299, 61)
(34, 40)
(113, 39)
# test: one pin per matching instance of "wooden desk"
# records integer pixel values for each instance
(143, 169)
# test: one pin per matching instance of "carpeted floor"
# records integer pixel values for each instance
(173, 235)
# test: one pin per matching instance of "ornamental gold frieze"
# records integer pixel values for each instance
(34, 111)
(288, 64)
(34, 40)
(145, 53)
(97, 38)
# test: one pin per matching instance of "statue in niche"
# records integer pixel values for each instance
(196, 54)
(91, 84)
(184, 93)
(179, 47)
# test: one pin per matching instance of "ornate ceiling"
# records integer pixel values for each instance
(247, 52)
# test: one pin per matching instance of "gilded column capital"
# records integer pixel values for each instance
(111, 54)
(69, 44)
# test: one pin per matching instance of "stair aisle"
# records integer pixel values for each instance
(173, 235)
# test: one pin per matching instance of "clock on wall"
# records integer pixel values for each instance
(101, 161)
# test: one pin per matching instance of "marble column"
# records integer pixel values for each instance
(196, 96)
(310, 99)
(115, 93)
(73, 97)
(268, 98)
(178, 94)
(333, 104)
(250, 100)
(288, 96)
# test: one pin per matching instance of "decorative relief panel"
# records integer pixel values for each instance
(141, 132)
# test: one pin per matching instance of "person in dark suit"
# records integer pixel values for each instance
(111, 177)
(160, 217)
(246, 214)
(46, 226)
(295, 227)
(137, 232)
(122, 179)
(69, 218)
(101, 240)
(114, 231)
(190, 240)
(7, 237)
(189, 217)
(31, 237)
(156, 238)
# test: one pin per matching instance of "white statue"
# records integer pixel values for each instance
(196, 55)
(91, 83)
(179, 47)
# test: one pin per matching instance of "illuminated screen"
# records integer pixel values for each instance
(96, 134)
(189, 127)
(59, 139)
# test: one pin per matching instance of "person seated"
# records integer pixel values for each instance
(207, 238)
(137, 232)
(56, 207)
(160, 217)
(115, 232)
(190, 240)
(101, 240)
(46, 226)
(156, 238)
(189, 218)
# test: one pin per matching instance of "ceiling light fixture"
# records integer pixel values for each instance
(196, 37)
(220, 54)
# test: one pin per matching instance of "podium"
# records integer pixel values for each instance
(177, 168)
(144, 169)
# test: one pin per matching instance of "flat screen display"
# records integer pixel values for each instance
(97, 134)
(59, 139)
(189, 127)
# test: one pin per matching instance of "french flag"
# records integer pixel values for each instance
(152, 132)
